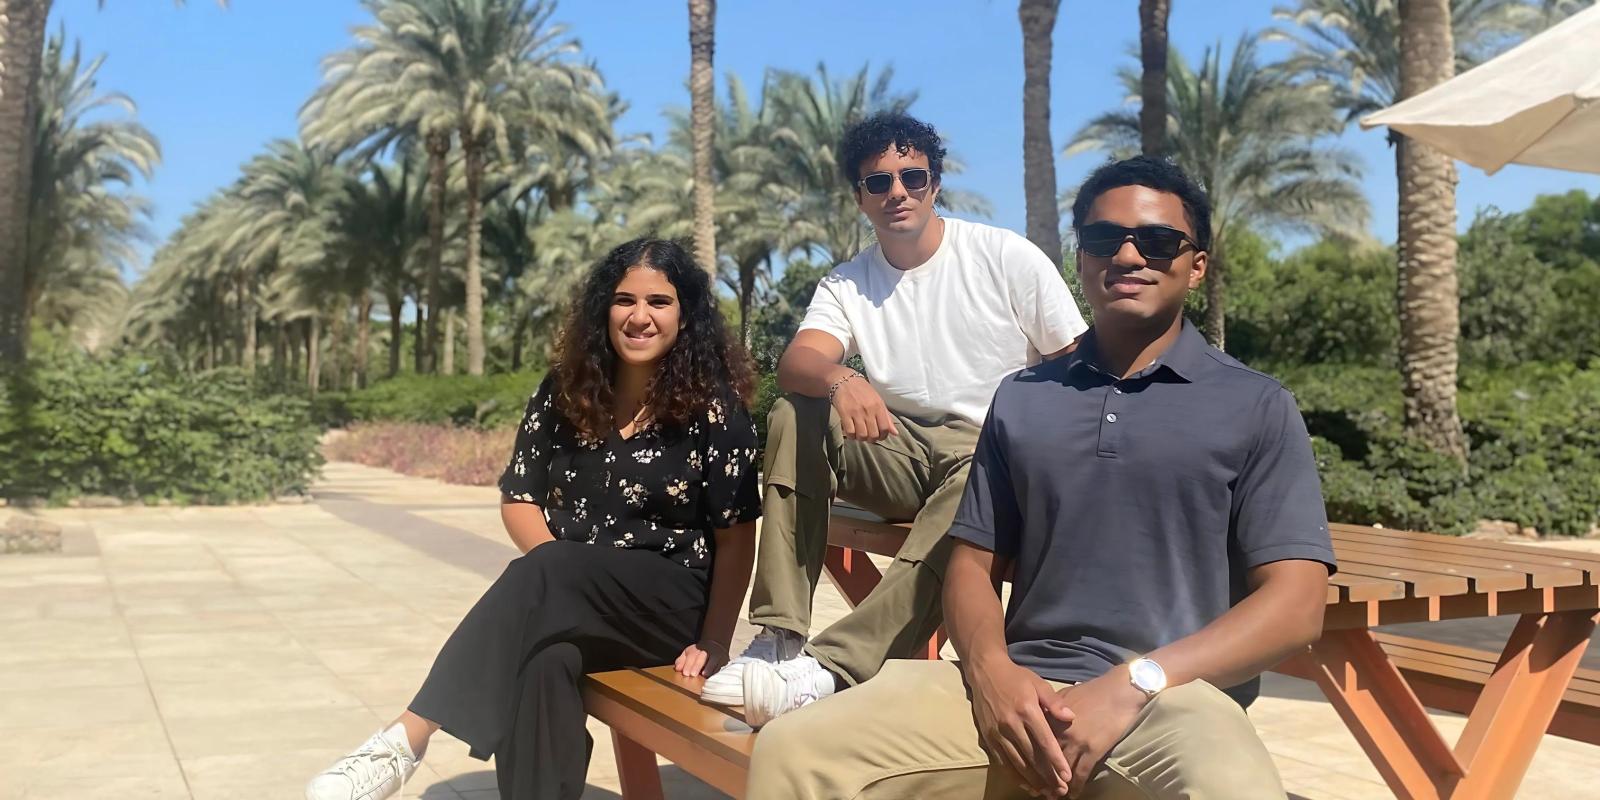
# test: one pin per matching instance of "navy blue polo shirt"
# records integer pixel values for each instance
(1134, 507)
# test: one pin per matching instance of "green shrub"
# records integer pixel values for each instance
(134, 428)
(484, 402)
(1535, 449)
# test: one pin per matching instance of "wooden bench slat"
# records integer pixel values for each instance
(1418, 583)
(673, 702)
(1590, 564)
(1482, 579)
(1542, 574)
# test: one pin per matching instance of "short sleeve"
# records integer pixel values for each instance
(527, 476)
(826, 313)
(730, 493)
(1040, 298)
(988, 515)
(1278, 513)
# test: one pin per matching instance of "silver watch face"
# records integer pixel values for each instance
(1148, 675)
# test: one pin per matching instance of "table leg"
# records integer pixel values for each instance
(1385, 716)
(636, 769)
(852, 571)
(1517, 704)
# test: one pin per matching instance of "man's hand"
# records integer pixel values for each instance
(701, 658)
(1018, 715)
(862, 414)
(1104, 710)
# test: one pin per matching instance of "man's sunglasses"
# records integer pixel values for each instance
(914, 179)
(1103, 240)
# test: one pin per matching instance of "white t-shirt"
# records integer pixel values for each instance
(937, 339)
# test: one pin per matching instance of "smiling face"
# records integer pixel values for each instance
(1127, 286)
(645, 316)
(897, 212)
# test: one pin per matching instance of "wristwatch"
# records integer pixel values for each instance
(1147, 676)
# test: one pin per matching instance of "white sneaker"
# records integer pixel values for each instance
(376, 770)
(726, 687)
(771, 690)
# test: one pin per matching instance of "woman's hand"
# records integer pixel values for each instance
(701, 658)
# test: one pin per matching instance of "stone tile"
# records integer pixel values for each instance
(79, 749)
(257, 667)
(310, 694)
(265, 641)
(203, 622)
(21, 709)
(368, 660)
(332, 732)
(262, 774)
(387, 692)
(46, 675)
(158, 783)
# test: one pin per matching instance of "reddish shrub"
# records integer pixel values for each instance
(443, 452)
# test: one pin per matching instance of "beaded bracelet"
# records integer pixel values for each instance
(834, 389)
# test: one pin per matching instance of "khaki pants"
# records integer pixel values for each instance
(918, 475)
(910, 734)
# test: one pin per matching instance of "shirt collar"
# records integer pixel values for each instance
(1187, 357)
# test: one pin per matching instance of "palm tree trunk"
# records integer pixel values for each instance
(22, 25)
(1216, 296)
(747, 290)
(1038, 19)
(336, 334)
(702, 42)
(313, 349)
(474, 156)
(396, 332)
(294, 352)
(1428, 293)
(447, 354)
(418, 347)
(247, 317)
(363, 337)
(438, 145)
(519, 332)
(280, 350)
(1153, 16)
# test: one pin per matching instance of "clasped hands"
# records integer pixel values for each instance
(1051, 740)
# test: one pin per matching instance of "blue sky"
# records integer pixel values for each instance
(215, 85)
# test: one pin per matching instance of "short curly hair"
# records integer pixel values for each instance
(875, 134)
(1160, 174)
(706, 363)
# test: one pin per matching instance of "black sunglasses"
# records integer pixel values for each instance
(914, 179)
(1104, 239)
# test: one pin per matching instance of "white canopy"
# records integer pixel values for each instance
(1537, 104)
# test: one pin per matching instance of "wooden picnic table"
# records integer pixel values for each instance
(1387, 577)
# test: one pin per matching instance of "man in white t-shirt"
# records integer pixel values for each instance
(939, 310)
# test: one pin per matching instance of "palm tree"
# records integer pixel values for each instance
(1356, 45)
(471, 70)
(82, 221)
(22, 38)
(1250, 136)
(1038, 19)
(1153, 16)
(1430, 315)
(702, 94)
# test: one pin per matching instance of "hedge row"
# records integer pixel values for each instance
(137, 429)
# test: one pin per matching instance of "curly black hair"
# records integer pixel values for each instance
(1160, 174)
(704, 364)
(876, 133)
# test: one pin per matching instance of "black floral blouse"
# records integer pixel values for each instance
(663, 489)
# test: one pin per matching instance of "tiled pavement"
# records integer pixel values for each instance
(233, 652)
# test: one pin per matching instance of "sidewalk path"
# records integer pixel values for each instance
(233, 652)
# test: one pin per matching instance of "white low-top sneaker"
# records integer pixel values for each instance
(772, 690)
(376, 770)
(726, 687)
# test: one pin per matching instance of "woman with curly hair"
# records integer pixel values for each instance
(632, 492)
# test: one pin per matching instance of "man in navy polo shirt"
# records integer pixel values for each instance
(1159, 509)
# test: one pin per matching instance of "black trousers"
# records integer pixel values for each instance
(506, 681)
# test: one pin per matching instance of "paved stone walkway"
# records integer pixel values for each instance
(234, 652)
